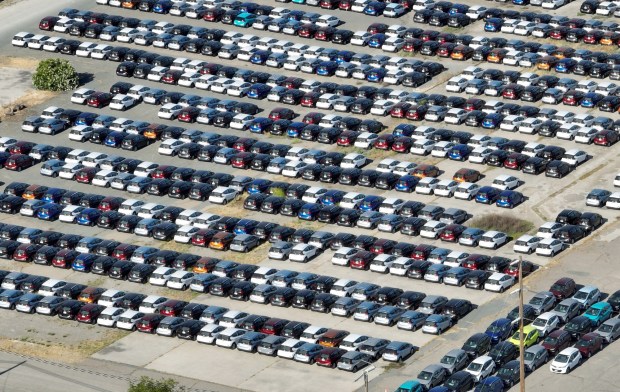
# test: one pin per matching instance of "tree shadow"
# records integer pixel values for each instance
(85, 77)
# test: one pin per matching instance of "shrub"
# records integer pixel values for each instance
(511, 225)
(147, 384)
(55, 75)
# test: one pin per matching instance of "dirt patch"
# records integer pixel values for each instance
(255, 256)
(511, 225)
(27, 63)
(36, 346)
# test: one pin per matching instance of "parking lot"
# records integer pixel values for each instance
(544, 198)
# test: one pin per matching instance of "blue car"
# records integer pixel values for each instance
(493, 25)
(332, 197)
(487, 195)
(115, 139)
(371, 203)
(460, 152)
(327, 68)
(376, 75)
(499, 330)
(295, 128)
(509, 199)
(590, 100)
(375, 8)
(492, 121)
(162, 6)
(88, 217)
(344, 56)
(565, 65)
(86, 118)
(53, 195)
(245, 226)
(403, 130)
(258, 91)
(103, 121)
(406, 183)
(492, 383)
(410, 386)
(258, 185)
(309, 211)
(260, 125)
(84, 262)
(260, 57)
(458, 9)
(377, 40)
(49, 211)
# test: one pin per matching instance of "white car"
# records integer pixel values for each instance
(184, 234)
(585, 135)
(567, 131)
(359, 5)
(404, 168)
(549, 247)
(302, 253)
(546, 323)
(606, 8)
(493, 239)
(432, 229)
(169, 147)
(69, 213)
(313, 194)
(180, 280)
(80, 133)
(422, 147)
(524, 28)
(328, 20)
(209, 333)
(382, 263)
(289, 348)
(440, 149)
(223, 195)
(85, 49)
(457, 84)
(80, 95)
(51, 287)
(343, 255)
(456, 116)
(499, 282)
(427, 185)
(293, 168)
(455, 258)
(526, 244)
(109, 316)
(360, 38)
(505, 181)
(353, 160)
(387, 165)
(511, 123)
(130, 206)
(128, 319)
(466, 191)
(446, 188)
(480, 154)
(352, 200)
(263, 275)
(548, 229)
(229, 337)
(566, 360)
(391, 205)
(312, 334)
(343, 287)
(614, 201)
(103, 178)
(169, 111)
(530, 126)
(575, 157)
(365, 140)
(111, 297)
(481, 367)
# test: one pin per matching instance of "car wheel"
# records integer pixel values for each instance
(234, 346)
(501, 290)
(225, 202)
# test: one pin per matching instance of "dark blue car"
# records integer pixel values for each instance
(375, 8)
(245, 226)
(260, 125)
(344, 56)
(309, 211)
(377, 40)
(509, 199)
(258, 185)
(53, 195)
(492, 121)
(49, 211)
(493, 25)
(88, 217)
(327, 68)
(86, 118)
(258, 91)
(162, 6)
(260, 57)
(115, 139)
(460, 152)
(492, 383)
(295, 128)
(403, 130)
(84, 262)
(487, 195)
(376, 75)
(565, 65)
(499, 330)
(591, 100)
(332, 197)
(371, 203)
(406, 183)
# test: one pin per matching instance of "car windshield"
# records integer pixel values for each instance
(539, 322)
(605, 328)
(471, 344)
(452, 383)
(561, 358)
(528, 355)
(593, 312)
(474, 367)
(448, 360)
(425, 375)
(581, 295)
(494, 329)
(506, 371)
(584, 343)
(536, 301)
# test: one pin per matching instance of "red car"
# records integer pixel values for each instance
(86, 175)
(557, 341)
(606, 137)
(452, 232)
(48, 23)
(172, 77)
(99, 99)
(400, 109)
(282, 114)
(362, 260)
(292, 82)
(513, 269)
(274, 326)
(474, 104)
(445, 50)
(412, 45)
(402, 144)
(563, 288)
(307, 31)
(110, 203)
(384, 142)
(202, 238)
(149, 323)
(172, 307)
(242, 160)
(309, 100)
(347, 138)
(25, 252)
(515, 161)
(21, 147)
(476, 261)
(313, 117)
(244, 144)
(421, 252)
(382, 246)
(89, 313)
(124, 251)
(416, 112)
(163, 171)
(188, 114)
(589, 344)
(18, 162)
(329, 357)
(64, 258)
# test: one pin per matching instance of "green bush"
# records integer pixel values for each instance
(511, 225)
(55, 75)
(147, 384)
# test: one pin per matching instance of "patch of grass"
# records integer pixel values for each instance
(234, 208)
(176, 246)
(98, 281)
(509, 224)
(255, 256)
(394, 366)
(186, 295)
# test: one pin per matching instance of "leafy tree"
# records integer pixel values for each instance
(55, 75)
(148, 384)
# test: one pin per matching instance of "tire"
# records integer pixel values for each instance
(225, 202)
(502, 289)
(234, 346)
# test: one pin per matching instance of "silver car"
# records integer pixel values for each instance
(352, 361)
(609, 330)
(534, 357)
(454, 360)
(433, 375)
(542, 302)
(567, 309)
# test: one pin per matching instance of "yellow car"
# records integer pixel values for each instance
(531, 337)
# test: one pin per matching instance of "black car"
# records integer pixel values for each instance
(241, 291)
(477, 345)
(590, 221)
(457, 308)
(578, 327)
(460, 381)
(570, 233)
(503, 352)
(510, 373)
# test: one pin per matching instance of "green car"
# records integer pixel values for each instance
(598, 313)
(410, 386)
(245, 19)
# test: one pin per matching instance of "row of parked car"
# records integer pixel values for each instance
(603, 198)
(213, 325)
(489, 360)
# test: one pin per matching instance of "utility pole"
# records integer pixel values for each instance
(521, 338)
(365, 374)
